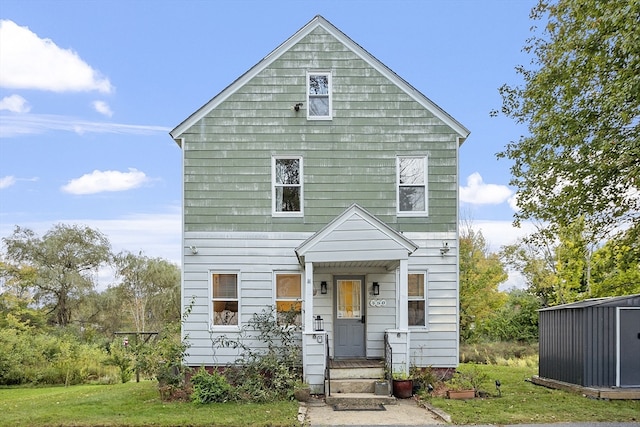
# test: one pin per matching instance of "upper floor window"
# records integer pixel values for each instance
(289, 298)
(417, 299)
(412, 186)
(224, 291)
(287, 186)
(319, 95)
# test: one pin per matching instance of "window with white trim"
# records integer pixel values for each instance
(224, 292)
(417, 299)
(319, 96)
(289, 298)
(287, 195)
(412, 186)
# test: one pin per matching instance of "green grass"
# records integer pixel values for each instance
(131, 404)
(524, 402)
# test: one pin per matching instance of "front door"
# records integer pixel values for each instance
(349, 333)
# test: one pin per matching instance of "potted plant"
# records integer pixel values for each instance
(463, 385)
(402, 385)
(302, 392)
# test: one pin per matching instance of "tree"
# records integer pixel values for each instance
(535, 260)
(581, 102)
(64, 259)
(149, 290)
(481, 272)
(616, 265)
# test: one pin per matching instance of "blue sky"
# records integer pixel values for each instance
(90, 89)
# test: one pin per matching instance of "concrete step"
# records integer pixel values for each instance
(356, 373)
(358, 385)
(358, 399)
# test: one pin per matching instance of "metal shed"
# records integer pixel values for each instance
(592, 343)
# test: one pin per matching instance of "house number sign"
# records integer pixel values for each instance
(378, 302)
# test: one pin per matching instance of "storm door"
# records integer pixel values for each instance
(349, 333)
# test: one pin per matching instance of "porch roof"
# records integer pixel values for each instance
(356, 238)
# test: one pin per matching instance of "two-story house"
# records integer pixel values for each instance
(321, 181)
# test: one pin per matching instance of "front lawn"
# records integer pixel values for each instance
(131, 404)
(523, 402)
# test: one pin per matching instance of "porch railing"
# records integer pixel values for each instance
(327, 365)
(388, 359)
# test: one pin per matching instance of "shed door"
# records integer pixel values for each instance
(350, 318)
(629, 327)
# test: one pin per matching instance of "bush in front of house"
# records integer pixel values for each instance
(270, 362)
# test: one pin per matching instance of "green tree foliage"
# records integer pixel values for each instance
(64, 260)
(535, 260)
(573, 264)
(481, 272)
(149, 290)
(581, 102)
(616, 266)
(516, 320)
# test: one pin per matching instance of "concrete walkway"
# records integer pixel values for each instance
(405, 413)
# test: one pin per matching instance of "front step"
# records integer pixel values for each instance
(353, 384)
(356, 373)
(358, 399)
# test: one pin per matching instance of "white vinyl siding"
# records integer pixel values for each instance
(412, 194)
(319, 102)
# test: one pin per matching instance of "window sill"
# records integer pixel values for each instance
(412, 214)
(287, 215)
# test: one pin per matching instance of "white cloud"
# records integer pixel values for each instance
(7, 181)
(100, 181)
(30, 62)
(478, 193)
(15, 104)
(513, 202)
(502, 233)
(102, 108)
(27, 124)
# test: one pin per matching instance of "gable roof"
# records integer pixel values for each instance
(356, 236)
(319, 21)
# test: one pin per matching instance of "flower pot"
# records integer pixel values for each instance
(461, 394)
(402, 389)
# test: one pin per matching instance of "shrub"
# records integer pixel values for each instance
(210, 387)
(270, 358)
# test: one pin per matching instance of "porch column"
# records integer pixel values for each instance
(308, 297)
(403, 295)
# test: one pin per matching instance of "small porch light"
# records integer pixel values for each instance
(318, 323)
(376, 288)
(323, 287)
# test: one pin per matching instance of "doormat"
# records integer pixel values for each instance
(347, 407)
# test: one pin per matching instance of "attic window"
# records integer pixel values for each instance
(319, 95)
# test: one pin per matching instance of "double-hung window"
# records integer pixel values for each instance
(224, 291)
(417, 299)
(289, 298)
(319, 96)
(412, 186)
(287, 189)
